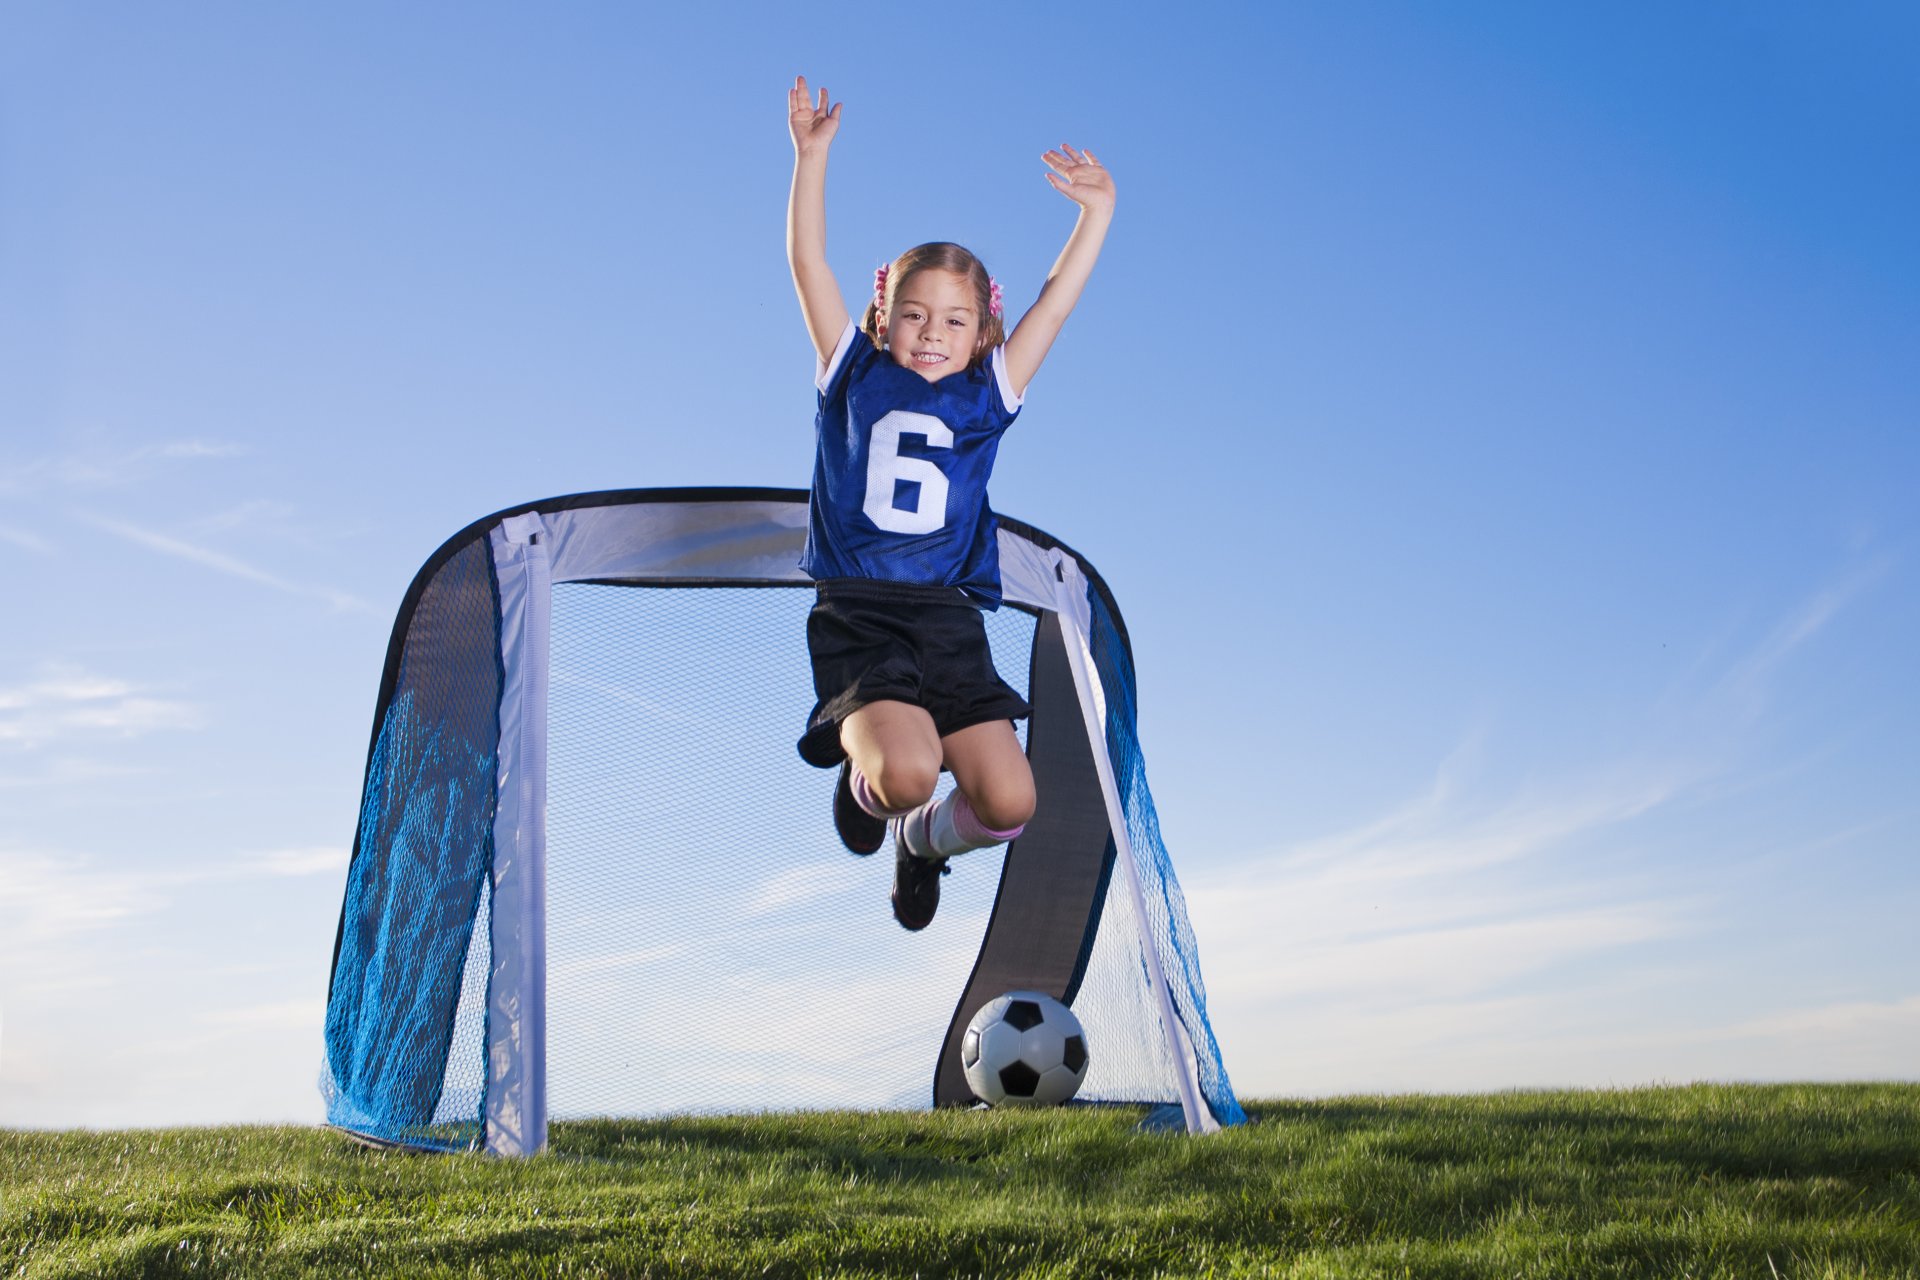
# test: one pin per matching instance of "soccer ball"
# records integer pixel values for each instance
(1024, 1049)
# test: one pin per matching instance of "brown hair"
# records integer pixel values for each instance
(941, 255)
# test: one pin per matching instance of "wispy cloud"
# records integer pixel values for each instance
(25, 540)
(574, 968)
(243, 515)
(1444, 832)
(1748, 680)
(316, 860)
(47, 894)
(1438, 900)
(221, 562)
(1578, 1037)
(284, 1014)
(44, 895)
(564, 677)
(1479, 922)
(1832, 1021)
(114, 1015)
(67, 702)
(106, 467)
(37, 769)
(261, 519)
(795, 887)
(193, 449)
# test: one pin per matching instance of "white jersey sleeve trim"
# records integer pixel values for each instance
(838, 358)
(999, 362)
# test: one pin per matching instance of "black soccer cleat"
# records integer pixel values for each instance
(859, 830)
(916, 886)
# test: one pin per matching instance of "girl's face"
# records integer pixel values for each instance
(934, 325)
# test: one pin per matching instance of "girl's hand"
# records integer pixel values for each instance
(1079, 177)
(812, 127)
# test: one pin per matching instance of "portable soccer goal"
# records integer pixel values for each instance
(592, 876)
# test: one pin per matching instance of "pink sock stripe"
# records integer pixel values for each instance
(864, 797)
(967, 823)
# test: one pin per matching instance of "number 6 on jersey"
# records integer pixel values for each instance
(886, 468)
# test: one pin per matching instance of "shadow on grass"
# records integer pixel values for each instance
(1703, 1181)
(871, 1151)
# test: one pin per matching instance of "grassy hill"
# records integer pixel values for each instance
(1733, 1181)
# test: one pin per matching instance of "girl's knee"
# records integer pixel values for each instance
(902, 782)
(1005, 804)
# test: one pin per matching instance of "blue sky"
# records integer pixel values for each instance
(1497, 421)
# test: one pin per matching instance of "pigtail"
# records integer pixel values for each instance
(993, 328)
(870, 320)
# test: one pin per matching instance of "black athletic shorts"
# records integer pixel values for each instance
(875, 641)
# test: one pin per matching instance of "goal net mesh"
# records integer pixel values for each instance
(710, 945)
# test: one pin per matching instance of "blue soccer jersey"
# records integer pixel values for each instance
(900, 471)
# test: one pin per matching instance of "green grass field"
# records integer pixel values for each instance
(1790, 1181)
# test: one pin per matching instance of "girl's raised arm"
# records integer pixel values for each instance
(821, 305)
(1081, 178)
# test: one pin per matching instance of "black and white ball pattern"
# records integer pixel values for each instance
(1024, 1049)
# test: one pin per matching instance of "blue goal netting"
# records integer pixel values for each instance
(405, 1013)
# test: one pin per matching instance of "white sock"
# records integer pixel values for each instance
(946, 828)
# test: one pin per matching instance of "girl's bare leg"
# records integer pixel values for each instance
(994, 790)
(992, 772)
(896, 747)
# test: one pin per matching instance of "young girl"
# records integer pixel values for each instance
(900, 539)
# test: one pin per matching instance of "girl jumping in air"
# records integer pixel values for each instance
(900, 539)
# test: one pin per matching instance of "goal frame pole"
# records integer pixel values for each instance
(1070, 593)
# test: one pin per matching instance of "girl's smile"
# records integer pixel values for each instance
(933, 325)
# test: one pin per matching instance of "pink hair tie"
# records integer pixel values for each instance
(993, 296)
(880, 289)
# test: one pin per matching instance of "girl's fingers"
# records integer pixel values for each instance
(1066, 158)
(823, 98)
